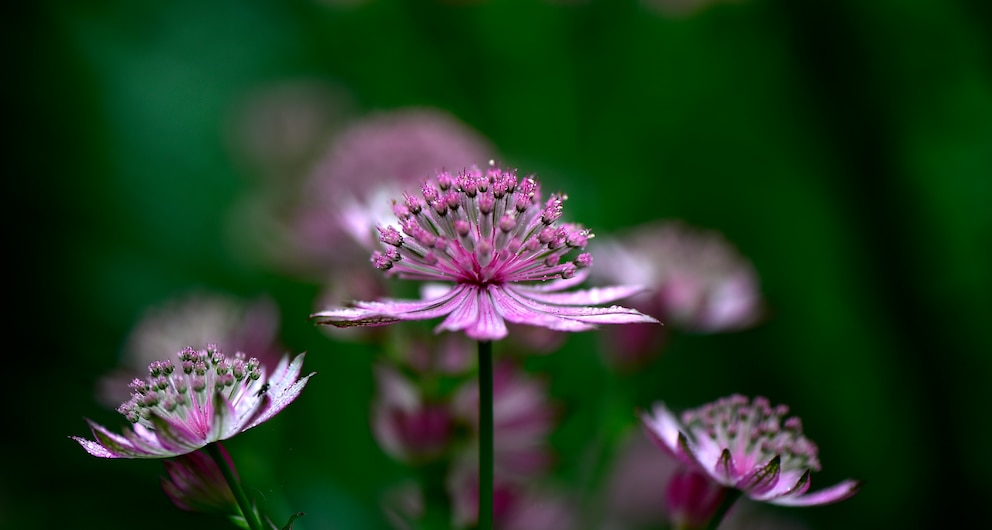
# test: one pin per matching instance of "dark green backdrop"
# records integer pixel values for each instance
(844, 146)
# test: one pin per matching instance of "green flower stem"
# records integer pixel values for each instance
(239, 494)
(730, 496)
(485, 435)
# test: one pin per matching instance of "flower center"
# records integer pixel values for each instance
(184, 395)
(754, 432)
(481, 229)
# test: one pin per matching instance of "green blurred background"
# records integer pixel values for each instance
(844, 146)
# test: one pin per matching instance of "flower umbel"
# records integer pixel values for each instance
(746, 445)
(490, 235)
(206, 398)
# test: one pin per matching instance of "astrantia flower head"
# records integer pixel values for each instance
(492, 236)
(205, 397)
(746, 445)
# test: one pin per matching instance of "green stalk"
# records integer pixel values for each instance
(485, 435)
(730, 496)
(239, 494)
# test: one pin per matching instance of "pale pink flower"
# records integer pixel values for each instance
(503, 253)
(207, 398)
(695, 279)
(324, 220)
(371, 161)
(746, 445)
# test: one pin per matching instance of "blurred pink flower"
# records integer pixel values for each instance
(746, 446)
(489, 236)
(695, 279)
(195, 318)
(405, 425)
(196, 484)
(691, 498)
(372, 160)
(517, 505)
(450, 355)
(209, 398)
(523, 418)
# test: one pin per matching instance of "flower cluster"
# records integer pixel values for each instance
(746, 445)
(490, 234)
(205, 397)
(494, 253)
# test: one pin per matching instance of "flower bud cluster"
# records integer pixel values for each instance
(481, 228)
(178, 392)
(756, 429)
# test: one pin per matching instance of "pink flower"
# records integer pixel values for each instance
(691, 498)
(746, 445)
(523, 418)
(370, 161)
(209, 398)
(695, 278)
(196, 484)
(407, 426)
(648, 488)
(489, 235)
(517, 505)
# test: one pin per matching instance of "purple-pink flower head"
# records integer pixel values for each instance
(195, 483)
(203, 398)
(504, 250)
(747, 445)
